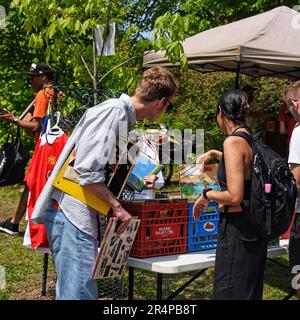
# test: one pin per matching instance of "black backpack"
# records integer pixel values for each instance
(273, 191)
(13, 160)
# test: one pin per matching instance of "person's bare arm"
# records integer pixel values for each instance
(216, 154)
(282, 127)
(234, 160)
(101, 191)
(34, 125)
(295, 168)
(207, 156)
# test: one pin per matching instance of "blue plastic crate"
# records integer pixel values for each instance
(203, 233)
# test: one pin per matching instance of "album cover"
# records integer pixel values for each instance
(143, 166)
(114, 251)
(193, 180)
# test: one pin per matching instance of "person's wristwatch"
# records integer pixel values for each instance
(204, 193)
(15, 120)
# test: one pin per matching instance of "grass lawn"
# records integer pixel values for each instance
(23, 269)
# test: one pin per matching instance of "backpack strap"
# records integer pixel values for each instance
(250, 139)
(247, 136)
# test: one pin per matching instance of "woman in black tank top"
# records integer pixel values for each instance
(240, 255)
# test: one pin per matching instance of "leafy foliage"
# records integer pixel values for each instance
(197, 98)
(60, 33)
(206, 14)
(16, 56)
(170, 31)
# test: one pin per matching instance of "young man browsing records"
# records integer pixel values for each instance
(72, 225)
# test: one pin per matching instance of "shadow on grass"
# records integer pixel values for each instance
(21, 234)
(277, 278)
(145, 285)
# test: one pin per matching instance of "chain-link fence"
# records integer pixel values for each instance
(73, 100)
(111, 288)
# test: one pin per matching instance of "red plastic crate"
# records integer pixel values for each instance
(163, 228)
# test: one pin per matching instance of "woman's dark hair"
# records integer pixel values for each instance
(234, 105)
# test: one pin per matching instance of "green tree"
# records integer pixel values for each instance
(16, 56)
(63, 30)
(206, 14)
(190, 17)
(60, 33)
(198, 93)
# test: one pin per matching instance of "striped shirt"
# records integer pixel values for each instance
(93, 148)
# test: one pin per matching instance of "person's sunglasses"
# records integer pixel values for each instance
(170, 106)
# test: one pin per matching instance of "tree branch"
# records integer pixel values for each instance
(80, 56)
(119, 65)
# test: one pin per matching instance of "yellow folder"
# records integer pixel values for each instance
(80, 193)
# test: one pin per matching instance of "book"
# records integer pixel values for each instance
(193, 179)
(143, 166)
(114, 251)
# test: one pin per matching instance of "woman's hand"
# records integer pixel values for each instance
(150, 180)
(204, 159)
(200, 205)
(207, 156)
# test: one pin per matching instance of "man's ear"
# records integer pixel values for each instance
(163, 101)
(157, 102)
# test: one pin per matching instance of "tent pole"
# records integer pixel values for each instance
(237, 77)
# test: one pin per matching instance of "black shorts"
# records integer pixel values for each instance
(294, 243)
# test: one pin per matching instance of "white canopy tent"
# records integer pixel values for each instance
(267, 44)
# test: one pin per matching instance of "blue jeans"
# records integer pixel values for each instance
(74, 253)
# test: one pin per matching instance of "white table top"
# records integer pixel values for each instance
(193, 261)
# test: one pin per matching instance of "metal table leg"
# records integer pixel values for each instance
(45, 274)
(159, 286)
(174, 294)
(131, 283)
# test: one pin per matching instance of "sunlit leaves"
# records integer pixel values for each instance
(170, 31)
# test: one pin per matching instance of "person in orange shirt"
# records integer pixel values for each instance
(41, 78)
